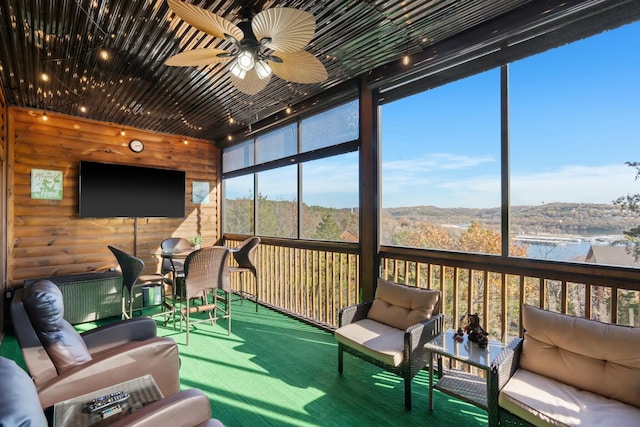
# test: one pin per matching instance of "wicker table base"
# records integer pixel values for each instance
(463, 385)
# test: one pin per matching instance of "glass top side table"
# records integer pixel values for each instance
(73, 412)
(462, 385)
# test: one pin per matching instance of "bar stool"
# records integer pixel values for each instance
(244, 256)
(174, 265)
(132, 278)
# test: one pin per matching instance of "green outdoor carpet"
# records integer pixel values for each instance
(276, 371)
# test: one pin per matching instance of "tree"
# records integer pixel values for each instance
(630, 203)
(424, 235)
(327, 229)
(239, 215)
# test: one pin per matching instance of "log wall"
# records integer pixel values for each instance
(3, 199)
(46, 237)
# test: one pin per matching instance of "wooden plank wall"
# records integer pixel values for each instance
(46, 237)
(3, 201)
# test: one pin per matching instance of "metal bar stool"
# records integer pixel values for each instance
(244, 256)
(132, 278)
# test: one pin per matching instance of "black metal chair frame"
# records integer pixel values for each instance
(132, 278)
(244, 256)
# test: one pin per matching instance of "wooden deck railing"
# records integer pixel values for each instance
(495, 287)
(314, 280)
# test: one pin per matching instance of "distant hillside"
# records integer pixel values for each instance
(569, 218)
(276, 219)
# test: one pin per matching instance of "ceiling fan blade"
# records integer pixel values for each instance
(204, 20)
(299, 67)
(197, 57)
(290, 29)
(251, 84)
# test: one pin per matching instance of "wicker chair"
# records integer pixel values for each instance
(391, 331)
(205, 271)
(567, 370)
(133, 278)
(244, 256)
(502, 369)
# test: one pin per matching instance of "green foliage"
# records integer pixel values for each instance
(196, 240)
(631, 203)
(327, 229)
(277, 218)
(239, 215)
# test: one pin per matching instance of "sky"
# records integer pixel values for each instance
(575, 121)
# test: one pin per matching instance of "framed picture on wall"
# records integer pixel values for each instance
(46, 184)
(200, 192)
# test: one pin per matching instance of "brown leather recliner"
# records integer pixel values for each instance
(64, 364)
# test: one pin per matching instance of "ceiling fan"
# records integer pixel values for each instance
(272, 41)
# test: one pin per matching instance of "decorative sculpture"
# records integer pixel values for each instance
(475, 332)
(459, 335)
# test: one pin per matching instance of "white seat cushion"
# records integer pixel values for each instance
(545, 402)
(375, 339)
(587, 354)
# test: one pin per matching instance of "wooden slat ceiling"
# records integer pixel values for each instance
(134, 88)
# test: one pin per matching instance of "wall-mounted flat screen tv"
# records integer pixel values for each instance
(109, 190)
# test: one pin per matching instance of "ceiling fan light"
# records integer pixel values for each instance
(237, 70)
(263, 69)
(246, 60)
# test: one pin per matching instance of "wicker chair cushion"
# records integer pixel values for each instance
(382, 342)
(586, 354)
(402, 306)
(542, 401)
(43, 303)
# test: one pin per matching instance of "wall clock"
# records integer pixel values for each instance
(136, 145)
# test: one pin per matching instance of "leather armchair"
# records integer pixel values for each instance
(185, 409)
(64, 364)
(20, 405)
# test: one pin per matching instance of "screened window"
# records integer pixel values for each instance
(332, 127)
(277, 144)
(330, 199)
(574, 124)
(320, 162)
(238, 205)
(573, 131)
(238, 156)
(441, 167)
(278, 202)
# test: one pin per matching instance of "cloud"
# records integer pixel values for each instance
(573, 184)
(435, 162)
(446, 180)
(440, 179)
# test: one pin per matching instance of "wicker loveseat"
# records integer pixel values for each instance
(391, 331)
(568, 371)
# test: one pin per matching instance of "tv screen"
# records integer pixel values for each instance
(110, 190)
